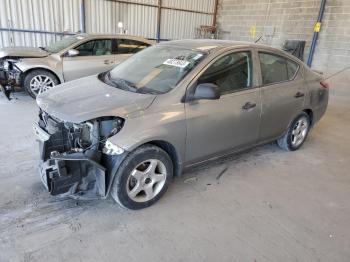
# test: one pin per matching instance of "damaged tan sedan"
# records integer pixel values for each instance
(128, 131)
(37, 70)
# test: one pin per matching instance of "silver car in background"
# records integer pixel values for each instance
(73, 57)
(130, 130)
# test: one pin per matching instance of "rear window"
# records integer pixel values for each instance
(275, 68)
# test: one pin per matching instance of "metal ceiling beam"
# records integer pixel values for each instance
(317, 29)
(162, 7)
(159, 15)
(215, 12)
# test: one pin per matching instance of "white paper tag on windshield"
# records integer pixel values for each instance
(176, 62)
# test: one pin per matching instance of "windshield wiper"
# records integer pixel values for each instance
(121, 83)
(125, 85)
(146, 90)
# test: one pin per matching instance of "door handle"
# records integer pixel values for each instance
(299, 94)
(248, 106)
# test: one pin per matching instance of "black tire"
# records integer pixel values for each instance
(135, 158)
(285, 142)
(39, 72)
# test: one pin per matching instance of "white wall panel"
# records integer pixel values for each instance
(102, 16)
(43, 15)
(182, 25)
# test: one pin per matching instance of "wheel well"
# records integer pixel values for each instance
(39, 68)
(310, 114)
(171, 151)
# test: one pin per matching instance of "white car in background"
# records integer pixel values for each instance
(38, 69)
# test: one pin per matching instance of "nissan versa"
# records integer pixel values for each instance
(39, 69)
(128, 131)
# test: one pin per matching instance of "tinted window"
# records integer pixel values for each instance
(231, 72)
(276, 68)
(95, 48)
(127, 46)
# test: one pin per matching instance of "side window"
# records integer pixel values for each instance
(127, 46)
(95, 48)
(231, 73)
(292, 68)
(275, 68)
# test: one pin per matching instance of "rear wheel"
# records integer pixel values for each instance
(142, 178)
(39, 81)
(297, 133)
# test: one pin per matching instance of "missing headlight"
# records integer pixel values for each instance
(110, 126)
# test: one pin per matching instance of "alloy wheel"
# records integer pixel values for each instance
(40, 84)
(299, 131)
(146, 180)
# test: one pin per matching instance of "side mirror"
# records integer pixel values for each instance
(206, 91)
(72, 52)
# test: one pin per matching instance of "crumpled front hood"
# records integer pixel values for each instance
(22, 52)
(89, 98)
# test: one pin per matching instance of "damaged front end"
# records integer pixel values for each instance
(77, 160)
(9, 76)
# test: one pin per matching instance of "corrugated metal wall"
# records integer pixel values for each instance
(102, 16)
(43, 15)
(182, 25)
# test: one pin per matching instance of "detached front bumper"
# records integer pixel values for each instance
(80, 175)
(75, 175)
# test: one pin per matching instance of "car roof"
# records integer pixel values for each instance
(97, 36)
(213, 45)
(210, 45)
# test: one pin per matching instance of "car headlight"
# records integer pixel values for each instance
(112, 149)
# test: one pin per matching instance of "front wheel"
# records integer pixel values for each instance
(39, 81)
(296, 134)
(142, 178)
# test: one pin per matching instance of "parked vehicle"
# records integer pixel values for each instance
(128, 131)
(39, 69)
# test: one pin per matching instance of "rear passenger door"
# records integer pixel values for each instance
(95, 56)
(124, 48)
(283, 93)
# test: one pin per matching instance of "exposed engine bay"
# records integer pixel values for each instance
(77, 160)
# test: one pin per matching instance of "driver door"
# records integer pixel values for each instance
(215, 127)
(95, 56)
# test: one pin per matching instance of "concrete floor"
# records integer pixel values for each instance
(269, 205)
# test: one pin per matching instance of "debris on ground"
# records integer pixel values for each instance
(221, 173)
(191, 180)
(268, 204)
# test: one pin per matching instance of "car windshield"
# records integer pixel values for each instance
(63, 43)
(155, 70)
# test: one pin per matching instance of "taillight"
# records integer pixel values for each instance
(324, 84)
